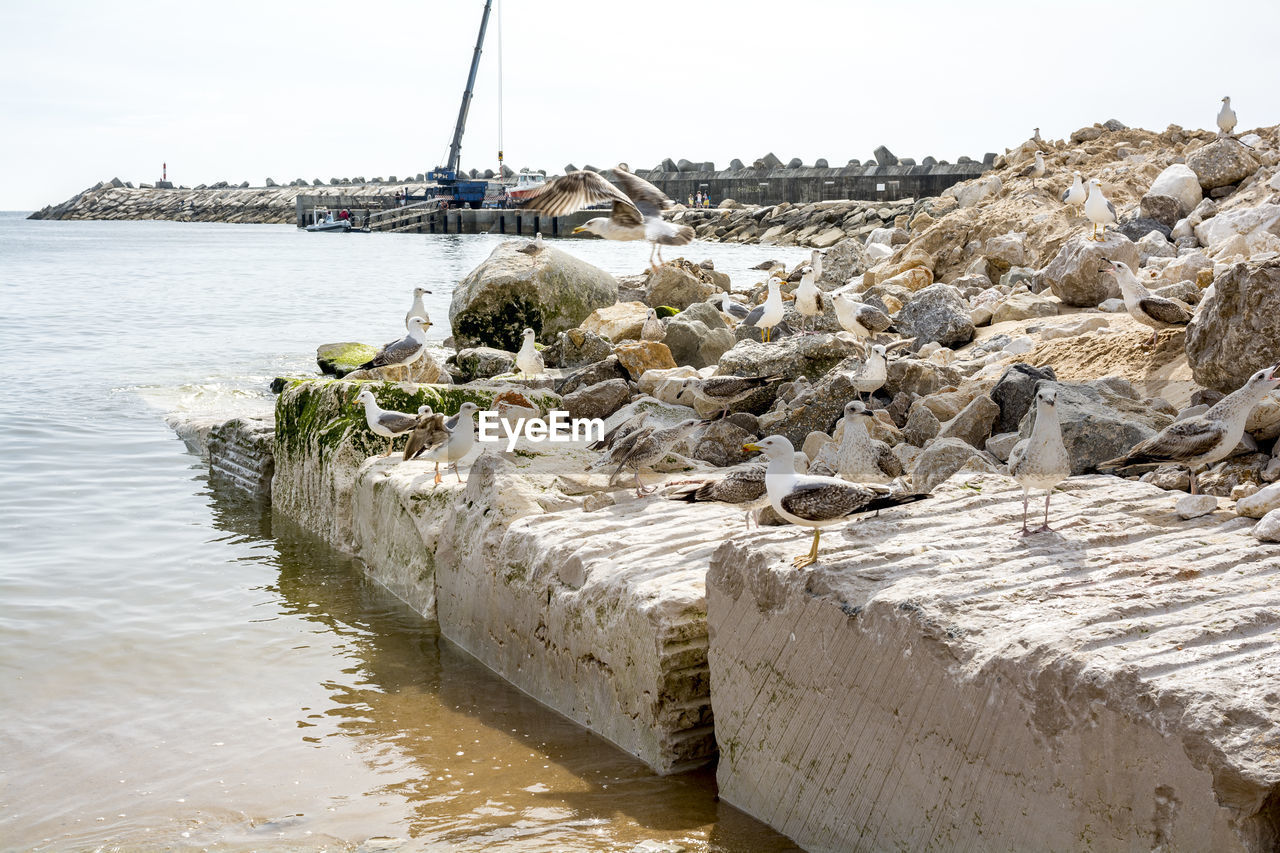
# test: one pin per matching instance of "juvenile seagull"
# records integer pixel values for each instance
(1041, 461)
(1203, 439)
(873, 372)
(649, 449)
(1226, 118)
(405, 351)
(768, 314)
(427, 432)
(620, 432)
(461, 431)
(858, 460)
(858, 318)
(815, 263)
(534, 247)
(809, 299)
(1074, 195)
(1099, 210)
(636, 213)
(742, 485)
(653, 330)
(417, 309)
(722, 391)
(736, 310)
(811, 501)
(384, 422)
(1143, 305)
(1034, 170)
(528, 360)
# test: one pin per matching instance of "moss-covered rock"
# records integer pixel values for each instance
(549, 292)
(340, 359)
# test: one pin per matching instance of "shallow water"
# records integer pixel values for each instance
(179, 668)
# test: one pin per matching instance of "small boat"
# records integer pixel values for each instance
(527, 183)
(331, 225)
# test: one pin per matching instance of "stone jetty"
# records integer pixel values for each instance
(935, 680)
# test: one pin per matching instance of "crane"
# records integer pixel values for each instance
(446, 176)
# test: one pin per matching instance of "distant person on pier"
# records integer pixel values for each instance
(691, 201)
(706, 200)
(344, 214)
(698, 199)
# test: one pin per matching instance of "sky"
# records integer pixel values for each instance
(240, 91)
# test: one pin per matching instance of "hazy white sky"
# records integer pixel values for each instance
(239, 90)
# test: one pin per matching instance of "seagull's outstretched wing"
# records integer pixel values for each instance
(648, 199)
(577, 190)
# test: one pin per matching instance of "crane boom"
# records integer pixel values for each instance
(455, 147)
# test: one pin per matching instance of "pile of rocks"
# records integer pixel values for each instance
(818, 224)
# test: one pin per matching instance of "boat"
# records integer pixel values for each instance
(323, 221)
(331, 225)
(527, 183)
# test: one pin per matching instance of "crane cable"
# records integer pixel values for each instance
(500, 90)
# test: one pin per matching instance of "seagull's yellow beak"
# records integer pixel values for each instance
(752, 448)
(579, 230)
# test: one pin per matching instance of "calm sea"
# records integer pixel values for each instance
(181, 669)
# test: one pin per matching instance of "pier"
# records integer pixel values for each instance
(425, 217)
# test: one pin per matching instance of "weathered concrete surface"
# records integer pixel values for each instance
(242, 453)
(590, 613)
(936, 683)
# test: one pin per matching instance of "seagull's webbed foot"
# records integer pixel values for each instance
(803, 561)
(1044, 528)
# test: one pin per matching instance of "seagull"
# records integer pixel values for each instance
(649, 448)
(1034, 170)
(405, 351)
(874, 371)
(1041, 461)
(727, 306)
(723, 391)
(768, 314)
(652, 330)
(742, 485)
(1035, 135)
(1075, 194)
(528, 359)
(809, 298)
(812, 501)
(858, 318)
(1226, 118)
(1144, 306)
(858, 460)
(417, 309)
(461, 431)
(384, 422)
(636, 214)
(534, 247)
(815, 263)
(427, 432)
(1202, 439)
(620, 432)
(1099, 210)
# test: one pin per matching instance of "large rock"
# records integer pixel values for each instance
(918, 377)
(483, 362)
(1164, 209)
(1258, 226)
(810, 355)
(1024, 306)
(599, 400)
(575, 348)
(1075, 274)
(340, 359)
(619, 322)
(1099, 424)
(1015, 390)
(1236, 330)
(941, 459)
(841, 263)
(937, 313)
(640, 356)
(692, 343)
(425, 370)
(550, 291)
(1221, 162)
(973, 423)
(679, 284)
(600, 371)
(1178, 182)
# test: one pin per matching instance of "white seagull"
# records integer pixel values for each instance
(528, 360)
(1201, 440)
(1034, 170)
(768, 314)
(405, 351)
(417, 309)
(857, 459)
(727, 305)
(808, 500)
(1074, 195)
(809, 299)
(1226, 118)
(461, 429)
(384, 422)
(858, 318)
(1144, 306)
(636, 213)
(874, 371)
(1099, 210)
(1041, 461)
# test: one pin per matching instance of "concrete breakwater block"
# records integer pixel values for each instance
(240, 451)
(937, 682)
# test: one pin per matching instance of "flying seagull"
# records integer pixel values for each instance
(1143, 305)
(1099, 210)
(812, 501)
(405, 351)
(384, 422)
(1041, 461)
(1202, 439)
(636, 214)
